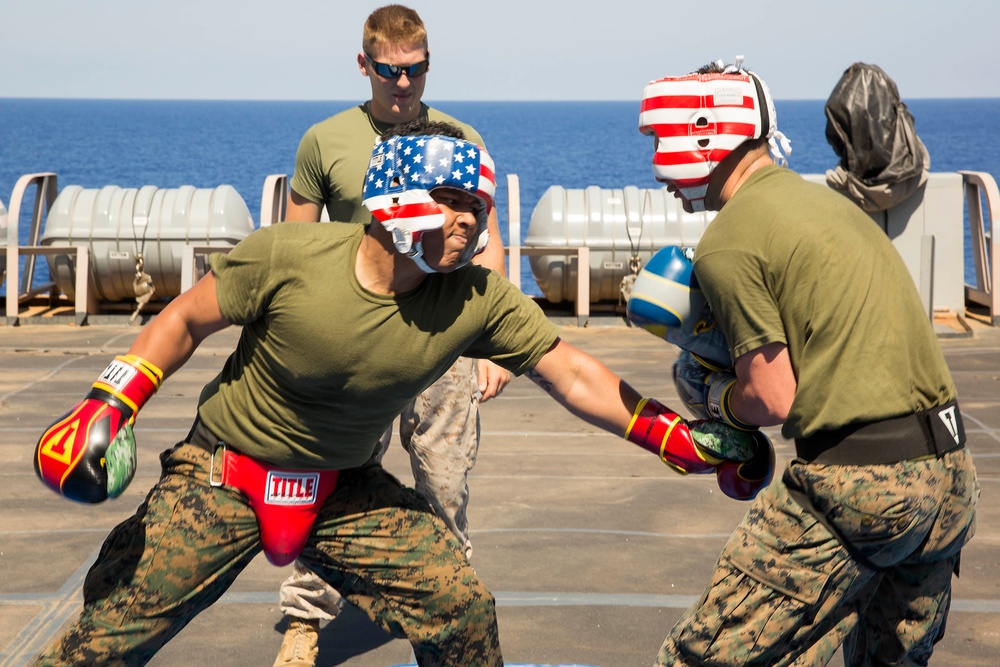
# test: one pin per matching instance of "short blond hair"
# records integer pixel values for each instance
(393, 24)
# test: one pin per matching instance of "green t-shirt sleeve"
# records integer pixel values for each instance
(473, 136)
(244, 278)
(517, 333)
(470, 132)
(308, 179)
(735, 284)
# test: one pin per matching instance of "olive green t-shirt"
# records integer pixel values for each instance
(794, 262)
(323, 366)
(333, 155)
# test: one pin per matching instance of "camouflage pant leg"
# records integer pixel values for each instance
(902, 623)
(440, 430)
(909, 610)
(177, 555)
(786, 591)
(383, 445)
(381, 545)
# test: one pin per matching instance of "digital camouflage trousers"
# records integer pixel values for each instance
(375, 540)
(787, 591)
(439, 429)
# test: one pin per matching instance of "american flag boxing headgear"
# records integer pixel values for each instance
(402, 172)
(699, 119)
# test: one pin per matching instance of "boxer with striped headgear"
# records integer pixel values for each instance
(700, 118)
(857, 541)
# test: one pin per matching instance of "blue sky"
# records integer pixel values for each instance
(501, 50)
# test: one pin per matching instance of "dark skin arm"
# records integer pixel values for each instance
(173, 335)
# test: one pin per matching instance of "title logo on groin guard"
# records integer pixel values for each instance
(291, 488)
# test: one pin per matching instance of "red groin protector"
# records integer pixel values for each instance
(285, 501)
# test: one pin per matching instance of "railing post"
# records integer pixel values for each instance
(984, 244)
(13, 276)
(274, 199)
(189, 265)
(583, 286)
(82, 307)
(514, 230)
(47, 185)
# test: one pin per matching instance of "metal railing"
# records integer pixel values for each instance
(981, 188)
(982, 200)
(981, 299)
(20, 288)
(273, 206)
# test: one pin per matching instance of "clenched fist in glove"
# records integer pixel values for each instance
(742, 460)
(88, 455)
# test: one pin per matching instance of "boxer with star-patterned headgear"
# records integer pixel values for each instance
(403, 171)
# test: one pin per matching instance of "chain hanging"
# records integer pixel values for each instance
(143, 286)
(634, 261)
(628, 281)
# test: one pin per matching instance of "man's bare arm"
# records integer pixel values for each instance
(586, 387)
(765, 385)
(492, 378)
(301, 209)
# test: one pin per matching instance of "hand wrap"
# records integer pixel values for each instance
(705, 389)
(88, 455)
(719, 390)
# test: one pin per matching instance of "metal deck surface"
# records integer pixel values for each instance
(592, 547)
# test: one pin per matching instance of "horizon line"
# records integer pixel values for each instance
(435, 101)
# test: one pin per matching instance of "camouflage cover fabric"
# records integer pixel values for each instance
(722, 440)
(375, 540)
(120, 461)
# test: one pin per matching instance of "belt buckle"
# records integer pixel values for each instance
(219, 446)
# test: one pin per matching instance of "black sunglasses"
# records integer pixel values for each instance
(396, 71)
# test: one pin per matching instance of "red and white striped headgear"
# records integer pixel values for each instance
(699, 119)
(402, 172)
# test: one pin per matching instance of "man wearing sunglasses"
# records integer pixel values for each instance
(440, 428)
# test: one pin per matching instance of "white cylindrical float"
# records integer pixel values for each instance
(119, 224)
(616, 224)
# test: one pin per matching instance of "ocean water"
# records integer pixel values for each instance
(94, 143)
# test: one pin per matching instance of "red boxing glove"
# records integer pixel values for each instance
(660, 430)
(71, 457)
(743, 480)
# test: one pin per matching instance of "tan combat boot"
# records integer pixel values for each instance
(298, 648)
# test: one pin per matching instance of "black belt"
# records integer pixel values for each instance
(201, 437)
(933, 432)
